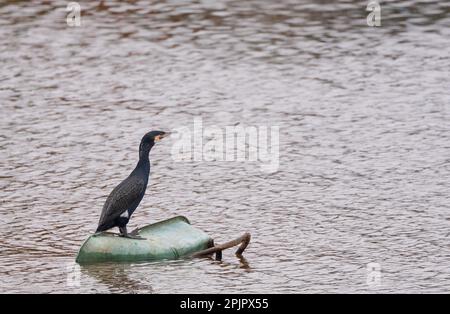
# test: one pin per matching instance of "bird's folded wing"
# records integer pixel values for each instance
(124, 196)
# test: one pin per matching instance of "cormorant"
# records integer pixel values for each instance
(125, 197)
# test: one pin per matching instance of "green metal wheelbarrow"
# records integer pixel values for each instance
(170, 239)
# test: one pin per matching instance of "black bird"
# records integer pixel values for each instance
(125, 198)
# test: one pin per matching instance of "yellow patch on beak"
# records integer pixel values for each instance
(158, 138)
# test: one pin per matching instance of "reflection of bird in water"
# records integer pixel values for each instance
(125, 197)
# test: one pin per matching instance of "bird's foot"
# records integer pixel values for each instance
(132, 236)
(104, 233)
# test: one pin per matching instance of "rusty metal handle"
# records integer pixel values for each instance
(243, 240)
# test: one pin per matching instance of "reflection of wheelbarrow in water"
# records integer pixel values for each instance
(166, 240)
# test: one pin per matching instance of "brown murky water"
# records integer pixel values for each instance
(364, 174)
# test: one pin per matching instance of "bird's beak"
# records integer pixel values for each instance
(160, 137)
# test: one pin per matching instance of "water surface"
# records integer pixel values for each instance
(364, 119)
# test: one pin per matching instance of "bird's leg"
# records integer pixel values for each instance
(124, 233)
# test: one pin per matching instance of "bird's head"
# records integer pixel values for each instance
(149, 139)
(153, 136)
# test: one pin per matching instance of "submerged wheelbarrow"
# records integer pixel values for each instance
(170, 239)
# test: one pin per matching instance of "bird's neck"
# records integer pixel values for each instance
(143, 155)
(143, 165)
(144, 150)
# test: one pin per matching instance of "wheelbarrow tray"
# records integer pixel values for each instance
(170, 239)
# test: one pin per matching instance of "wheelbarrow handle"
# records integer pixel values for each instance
(243, 240)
